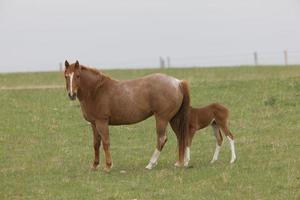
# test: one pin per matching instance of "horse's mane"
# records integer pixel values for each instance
(95, 71)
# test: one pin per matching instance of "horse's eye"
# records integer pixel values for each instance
(77, 76)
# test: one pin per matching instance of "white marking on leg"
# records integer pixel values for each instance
(212, 121)
(216, 154)
(187, 157)
(233, 155)
(71, 82)
(153, 160)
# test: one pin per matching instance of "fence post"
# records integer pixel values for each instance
(161, 62)
(255, 58)
(285, 57)
(168, 62)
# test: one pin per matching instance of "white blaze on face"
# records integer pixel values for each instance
(71, 83)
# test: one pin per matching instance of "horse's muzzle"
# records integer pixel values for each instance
(72, 97)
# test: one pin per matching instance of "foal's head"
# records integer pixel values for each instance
(72, 76)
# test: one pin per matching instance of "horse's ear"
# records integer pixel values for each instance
(77, 66)
(67, 64)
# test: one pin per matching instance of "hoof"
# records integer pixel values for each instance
(232, 160)
(177, 164)
(94, 167)
(212, 161)
(107, 168)
(186, 163)
(151, 165)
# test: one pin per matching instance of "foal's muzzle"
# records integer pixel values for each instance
(72, 97)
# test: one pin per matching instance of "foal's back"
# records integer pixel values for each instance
(203, 116)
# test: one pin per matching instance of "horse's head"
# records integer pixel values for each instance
(72, 76)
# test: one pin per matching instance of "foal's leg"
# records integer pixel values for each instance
(97, 142)
(161, 141)
(187, 155)
(219, 139)
(231, 141)
(102, 127)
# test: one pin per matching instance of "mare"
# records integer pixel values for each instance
(216, 115)
(105, 101)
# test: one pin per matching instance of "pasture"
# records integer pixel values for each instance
(46, 146)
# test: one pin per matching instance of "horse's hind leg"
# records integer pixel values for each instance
(175, 126)
(191, 133)
(219, 138)
(231, 141)
(161, 126)
(187, 155)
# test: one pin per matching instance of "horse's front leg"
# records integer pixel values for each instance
(102, 128)
(97, 143)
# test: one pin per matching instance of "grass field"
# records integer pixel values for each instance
(46, 146)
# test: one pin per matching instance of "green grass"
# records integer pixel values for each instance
(46, 146)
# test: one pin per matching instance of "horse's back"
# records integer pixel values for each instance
(142, 97)
(157, 81)
(154, 86)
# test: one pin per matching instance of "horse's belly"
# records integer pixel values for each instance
(128, 118)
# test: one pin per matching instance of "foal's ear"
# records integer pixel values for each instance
(77, 66)
(67, 64)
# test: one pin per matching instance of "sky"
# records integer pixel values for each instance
(38, 35)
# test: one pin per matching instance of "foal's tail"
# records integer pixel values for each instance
(181, 120)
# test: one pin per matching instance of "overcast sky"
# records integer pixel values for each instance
(36, 35)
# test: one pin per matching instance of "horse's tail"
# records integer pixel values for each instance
(182, 121)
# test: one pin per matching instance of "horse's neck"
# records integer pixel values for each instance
(91, 82)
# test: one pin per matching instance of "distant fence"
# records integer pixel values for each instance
(256, 58)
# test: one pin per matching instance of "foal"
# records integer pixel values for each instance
(215, 115)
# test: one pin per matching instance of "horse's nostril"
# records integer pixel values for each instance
(72, 97)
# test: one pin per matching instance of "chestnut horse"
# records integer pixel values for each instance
(216, 115)
(105, 101)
